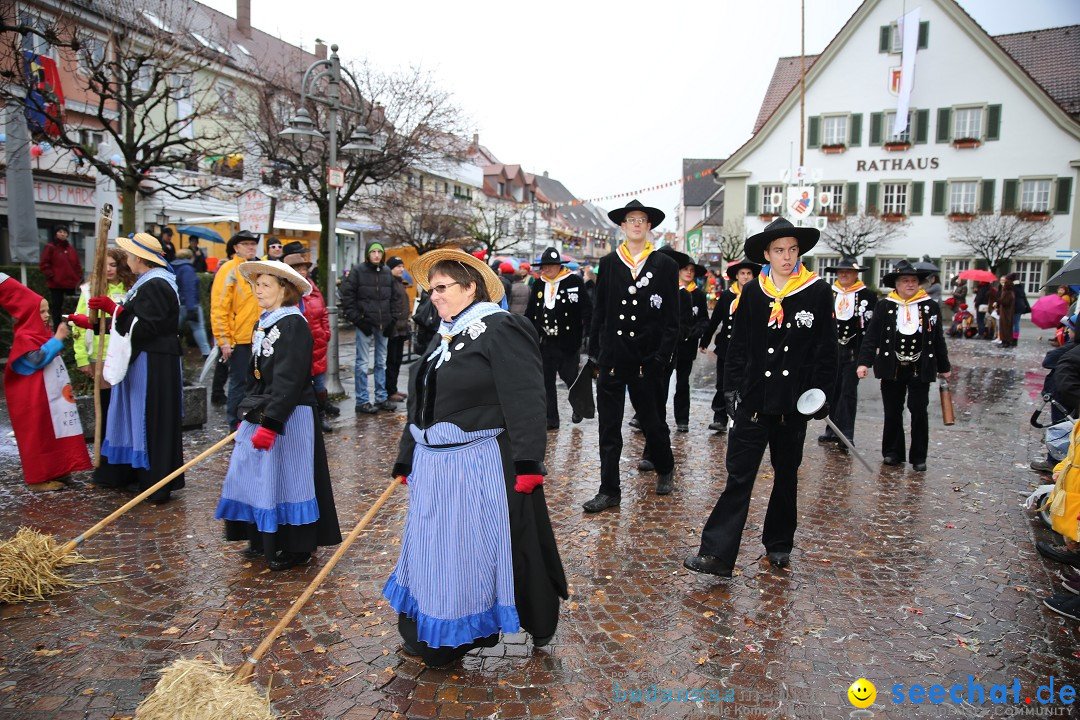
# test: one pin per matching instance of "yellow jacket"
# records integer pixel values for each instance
(86, 341)
(1065, 500)
(234, 311)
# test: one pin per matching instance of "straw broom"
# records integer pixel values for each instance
(199, 690)
(29, 562)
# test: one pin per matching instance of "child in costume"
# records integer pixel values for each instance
(963, 323)
(47, 427)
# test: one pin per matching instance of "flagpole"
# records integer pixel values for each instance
(802, 84)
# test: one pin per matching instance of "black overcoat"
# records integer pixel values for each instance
(882, 341)
(565, 323)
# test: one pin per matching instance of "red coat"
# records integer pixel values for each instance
(61, 266)
(47, 427)
(315, 312)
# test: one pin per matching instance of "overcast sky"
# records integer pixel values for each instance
(608, 96)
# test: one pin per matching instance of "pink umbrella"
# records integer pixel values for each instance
(1048, 310)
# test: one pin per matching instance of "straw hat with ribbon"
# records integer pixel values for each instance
(145, 246)
(253, 268)
(423, 265)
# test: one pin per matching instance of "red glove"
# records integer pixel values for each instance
(263, 439)
(80, 321)
(105, 303)
(527, 483)
(402, 479)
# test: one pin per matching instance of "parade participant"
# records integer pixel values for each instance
(118, 279)
(478, 554)
(142, 442)
(46, 425)
(560, 311)
(720, 325)
(853, 304)
(62, 269)
(905, 344)
(314, 309)
(635, 326)
(399, 332)
(233, 314)
(783, 344)
(693, 320)
(367, 301)
(963, 323)
(277, 493)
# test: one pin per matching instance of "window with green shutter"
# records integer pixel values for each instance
(872, 198)
(922, 126)
(1009, 190)
(916, 205)
(993, 122)
(937, 200)
(876, 121)
(924, 34)
(944, 125)
(852, 199)
(986, 196)
(751, 199)
(855, 130)
(1062, 195)
(885, 39)
(813, 131)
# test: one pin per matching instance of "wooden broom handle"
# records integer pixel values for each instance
(99, 421)
(74, 543)
(244, 671)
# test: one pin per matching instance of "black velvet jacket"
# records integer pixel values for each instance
(693, 315)
(635, 323)
(850, 332)
(493, 379)
(719, 324)
(883, 340)
(771, 367)
(283, 360)
(158, 310)
(565, 323)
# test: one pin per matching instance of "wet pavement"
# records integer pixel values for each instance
(901, 577)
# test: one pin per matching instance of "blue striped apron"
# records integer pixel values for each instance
(455, 574)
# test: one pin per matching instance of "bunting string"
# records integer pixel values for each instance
(617, 196)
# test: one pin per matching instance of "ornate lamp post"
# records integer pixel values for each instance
(301, 126)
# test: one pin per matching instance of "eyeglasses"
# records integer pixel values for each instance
(440, 289)
(635, 221)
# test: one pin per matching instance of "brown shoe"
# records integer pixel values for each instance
(47, 486)
(398, 397)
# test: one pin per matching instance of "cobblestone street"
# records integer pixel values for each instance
(900, 577)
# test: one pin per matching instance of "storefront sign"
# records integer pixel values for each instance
(49, 191)
(896, 164)
(256, 211)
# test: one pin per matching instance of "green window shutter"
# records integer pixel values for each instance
(855, 130)
(986, 196)
(1063, 195)
(853, 198)
(993, 122)
(915, 207)
(871, 198)
(922, 126)
(876, 121)
(885, 39)
(924, 34)
(751, 199)
(944, 125)
(937, 201)
(813, 131)
(1009, 189)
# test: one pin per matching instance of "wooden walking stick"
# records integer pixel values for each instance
(99, 287)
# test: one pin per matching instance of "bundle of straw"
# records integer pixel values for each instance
(200, 690)
(29, 565)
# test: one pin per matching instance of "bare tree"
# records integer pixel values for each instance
(733, 239)
(856, 235)
(413, 121)
(999, 238)
(145, 90)
(421, 219)
(494, 227)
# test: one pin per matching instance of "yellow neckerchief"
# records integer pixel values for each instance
(737, 289)
(552, 287)
(634, 263)
(798, 280)
(846, 294)
(906, 304)
(691, 287)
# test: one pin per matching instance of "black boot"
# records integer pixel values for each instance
(320, 408)
(328, 408)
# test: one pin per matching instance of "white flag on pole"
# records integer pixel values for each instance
(908, 27)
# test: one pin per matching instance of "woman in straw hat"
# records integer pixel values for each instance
(478, 555)
(140, 445)
(277, 493)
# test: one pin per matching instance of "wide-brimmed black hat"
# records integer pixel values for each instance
(655, 215)
(846, 263)
(551, 256)
(734, 268)
(779, 228)
(903, 268)
(681, 259)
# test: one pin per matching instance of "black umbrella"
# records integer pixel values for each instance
(1069, 274)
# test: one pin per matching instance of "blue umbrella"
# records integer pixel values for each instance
(201, 232)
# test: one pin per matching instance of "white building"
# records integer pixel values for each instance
(993, 126)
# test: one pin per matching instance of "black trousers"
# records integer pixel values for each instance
(221, 375)
(917, 393)
(561, 364)
(238, 374)
(395, 353)
(845, 399)
(719, 407)
(611, 389)
(747, 440)
(684, 365)
(56, 305)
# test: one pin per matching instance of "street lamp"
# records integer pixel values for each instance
(302, 126)
(161, 218)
